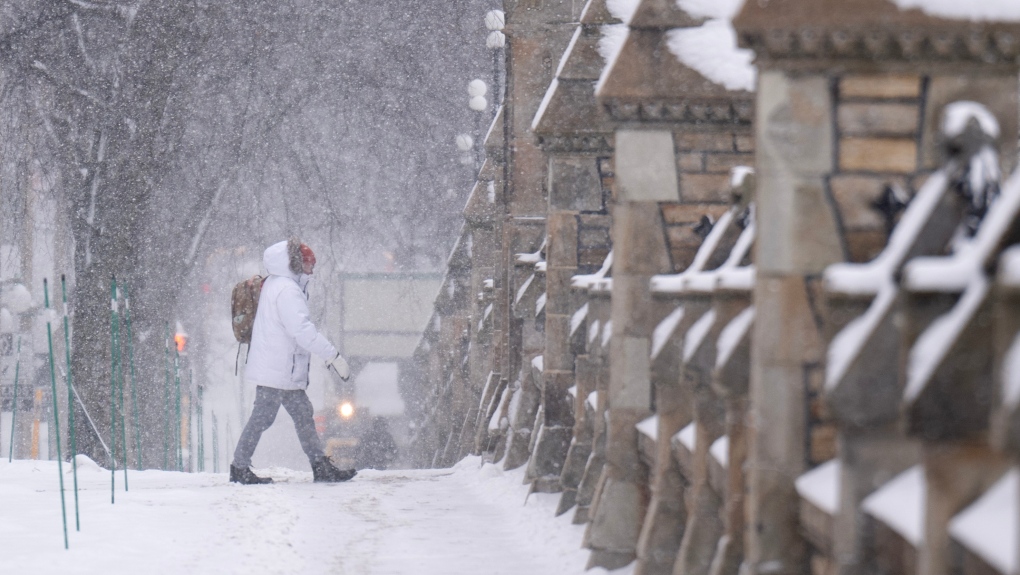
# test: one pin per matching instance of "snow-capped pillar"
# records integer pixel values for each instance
(573, 132)
(537, 34)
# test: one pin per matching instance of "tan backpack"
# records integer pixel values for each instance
(244, 303)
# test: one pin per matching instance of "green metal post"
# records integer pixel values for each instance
(215, 445)
(120, 399)
(113, 387)
(14, 407)
(166, 400)
(70, 402)
(200, 424)
(177, 428)
(56, 413)
(131, 365)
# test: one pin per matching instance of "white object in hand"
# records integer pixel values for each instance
(340, 366)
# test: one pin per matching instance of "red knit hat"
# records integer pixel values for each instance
(307, 257)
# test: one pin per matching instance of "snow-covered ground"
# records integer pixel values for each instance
(470, 519)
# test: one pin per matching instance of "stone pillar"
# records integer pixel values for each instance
(849, 100)
(639, 253)
(572, 130)
(537, 33)
(797, 239)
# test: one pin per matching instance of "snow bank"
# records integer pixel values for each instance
(990, 527)
(900, 504)
(820, 486)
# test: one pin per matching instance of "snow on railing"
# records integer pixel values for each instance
(664, 330)
(720, 450)
(821, 486)
(732, 334)
(954, 274)
(900, 504)
(587, 280)
(991, 525)
(697, 333)
(729, 275)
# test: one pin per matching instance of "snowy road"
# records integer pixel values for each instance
(470, 519)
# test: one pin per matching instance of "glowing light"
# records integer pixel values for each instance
(345, 410)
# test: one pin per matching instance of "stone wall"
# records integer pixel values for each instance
(746, 318)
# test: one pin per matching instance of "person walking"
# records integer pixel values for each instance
(282, 343)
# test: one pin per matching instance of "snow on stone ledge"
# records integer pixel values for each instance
(614, 36)
(540, 303)
(688, 436)
(934, 343)
(578, 318)
(622, 9)
(990, 527)
(665, 330)
(985, 10)
(732, 334)
(593, 331)
(538, 362)
(727, 9)
(900, 504)
(820, 486)
(720, 450)
(649, 427)
(696, 334)
(736, 279)
(593, 399)
(711, 49)
(572, 390)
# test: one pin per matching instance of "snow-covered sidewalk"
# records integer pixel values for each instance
(470, 519)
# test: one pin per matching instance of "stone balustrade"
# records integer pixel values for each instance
(747, 317)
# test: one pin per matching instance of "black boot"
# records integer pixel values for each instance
(245, 476)
(324, 471)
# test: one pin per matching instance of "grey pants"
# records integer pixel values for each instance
(267, 405)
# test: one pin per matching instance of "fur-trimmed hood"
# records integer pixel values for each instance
(284, 259)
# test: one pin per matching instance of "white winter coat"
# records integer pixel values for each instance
(283, 336)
